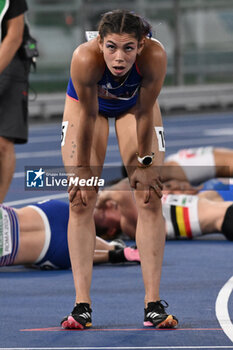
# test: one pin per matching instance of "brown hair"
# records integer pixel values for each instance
(123, 21)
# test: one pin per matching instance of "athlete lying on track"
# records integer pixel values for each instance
(186, 215)
(37, 235)
(198, 164)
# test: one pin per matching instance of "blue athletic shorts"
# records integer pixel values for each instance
(224, 189)
(56, 253)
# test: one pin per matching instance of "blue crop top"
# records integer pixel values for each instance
(114, 98)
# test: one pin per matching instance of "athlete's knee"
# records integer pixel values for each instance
(153, 203)
(85, 204)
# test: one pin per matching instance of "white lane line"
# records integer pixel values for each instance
(113, 148)
(40, 154)
(221, 308)
(198, 142)
(36, 199)
(51, 153)
(44, 126)
(199, 118)
(21, 174)
(174, 130)
(42, 139)
(169, 130)
(55, 127)
(124, 347)
(218, 132)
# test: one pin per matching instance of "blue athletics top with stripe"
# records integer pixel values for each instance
(114, 98)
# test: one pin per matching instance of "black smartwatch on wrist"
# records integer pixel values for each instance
(146, 160)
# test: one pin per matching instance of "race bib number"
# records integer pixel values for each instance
(5, 233)
(182, 200)
(160, 136)
(91, 35)
(63, 132)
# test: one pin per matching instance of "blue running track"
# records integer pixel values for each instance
(197, 278)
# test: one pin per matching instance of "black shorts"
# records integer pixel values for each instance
(14, 101)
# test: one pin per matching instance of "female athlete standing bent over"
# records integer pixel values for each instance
(118, 74)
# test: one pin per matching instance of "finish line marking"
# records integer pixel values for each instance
(59, 329)
(221, 308)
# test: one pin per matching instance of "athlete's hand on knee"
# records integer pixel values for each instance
(79, 184)
(149, 179)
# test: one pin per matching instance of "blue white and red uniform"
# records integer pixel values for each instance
(114, 98)
(55, 253)
(55, 215)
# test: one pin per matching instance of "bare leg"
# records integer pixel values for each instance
(7, 166)
(101, 256)
(81, 241)
(150, 233)
(81, 228)
(150, 238)
(101, 244)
